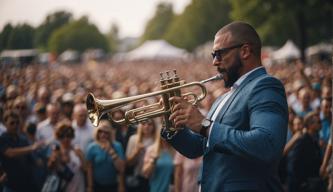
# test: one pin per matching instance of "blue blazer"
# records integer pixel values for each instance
(246, 140)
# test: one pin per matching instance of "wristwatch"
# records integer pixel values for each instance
(205, 124)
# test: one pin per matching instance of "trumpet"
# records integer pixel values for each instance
(171, 86)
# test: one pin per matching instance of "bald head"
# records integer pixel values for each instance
(80, 114)
(242, 32)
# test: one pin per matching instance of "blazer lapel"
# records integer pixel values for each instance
(249, 78)
(214, 107)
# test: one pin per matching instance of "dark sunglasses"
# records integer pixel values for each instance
(67, 135)
(218, 53)
(22, 107)
(14, 123)
(105, 132)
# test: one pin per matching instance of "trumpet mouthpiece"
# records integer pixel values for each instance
(214, 78)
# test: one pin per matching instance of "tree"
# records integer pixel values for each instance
(113, 38)
(198, 23)
(4, 36)
(277, 21)
(158, 24)
(51, 23)
(21, 37)
(78, 35)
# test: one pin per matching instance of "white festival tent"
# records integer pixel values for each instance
(288, 51)
(319, 48)
(156, 50)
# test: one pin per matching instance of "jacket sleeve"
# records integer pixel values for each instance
(186, 142)
(265, 137)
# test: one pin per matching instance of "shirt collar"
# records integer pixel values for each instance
(243, 77)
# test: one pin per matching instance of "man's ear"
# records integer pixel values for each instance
(245, 51)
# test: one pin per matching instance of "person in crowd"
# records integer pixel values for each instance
(305, 159)
(45, 129)
(105, 161)
(39, 156)
(186, 173)
(326, 90)
(43, 95)
(15, 155)
(11, 93)
(67, 105)
(3, 177)
(2, 126)
(297, 132)
(243, 135)
(136, 148)
(158, 165)
(83, 128)
(303, 106)
(21, 106)
(123, 132)
(312, 85)
(326, 120)
(291, 116)
(65, 157)
(326, 168)
(39, 113)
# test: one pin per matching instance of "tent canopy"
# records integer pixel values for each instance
(156, 49)
(319, 48)
(19, 53)
(288, 51)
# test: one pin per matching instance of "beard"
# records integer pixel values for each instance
(232, 73)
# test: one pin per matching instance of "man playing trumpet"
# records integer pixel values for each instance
(243, 135)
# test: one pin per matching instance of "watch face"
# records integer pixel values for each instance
(206, 123)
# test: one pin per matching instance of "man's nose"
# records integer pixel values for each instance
(216, 63)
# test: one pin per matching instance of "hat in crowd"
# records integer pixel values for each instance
(40, 108)
(118, 94)
(67, 97)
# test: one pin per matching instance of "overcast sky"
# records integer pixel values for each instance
(129, 15)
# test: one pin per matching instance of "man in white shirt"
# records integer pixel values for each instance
(45, 129)
(83, 128)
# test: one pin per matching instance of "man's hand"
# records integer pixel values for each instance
(184, 113)
(38, 145)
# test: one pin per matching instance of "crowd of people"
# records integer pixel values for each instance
(47, 142)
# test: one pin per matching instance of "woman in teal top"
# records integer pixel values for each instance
(105, 161)
(158, 165)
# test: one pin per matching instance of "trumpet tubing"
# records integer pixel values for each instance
(171, 86)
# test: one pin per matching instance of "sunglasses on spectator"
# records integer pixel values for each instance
(68, 135)
(316, 121)
(21, 107)
(14, 123)
(220, 52)
(104, 132)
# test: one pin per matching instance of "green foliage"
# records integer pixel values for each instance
(21, 37)
(4, 36)
(273, 26)
(78, 35)
(113, 38)
(306, 23)
(198, 23)
(158, 24)
(51, 23)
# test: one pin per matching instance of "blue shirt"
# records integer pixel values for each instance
(325, 130)
(104, 171)
(161, 177)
